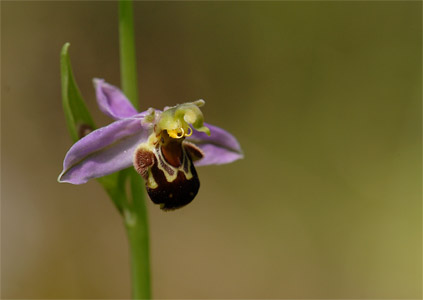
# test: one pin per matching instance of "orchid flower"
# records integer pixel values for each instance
(163, 146)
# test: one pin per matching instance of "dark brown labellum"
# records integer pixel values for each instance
(171, 178)
(175, 194)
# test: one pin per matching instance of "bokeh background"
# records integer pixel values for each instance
(324, 97)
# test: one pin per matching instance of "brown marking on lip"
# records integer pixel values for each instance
(194, 152)
(143, 160)
(183, 190)
(172, 152)
(186, 159)
(165, 165)
(171, 149)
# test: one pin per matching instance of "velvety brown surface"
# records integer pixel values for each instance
(175, 194)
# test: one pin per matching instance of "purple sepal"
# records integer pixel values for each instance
(112, 101)
(105, 150)
(111, 148)
(220, 147)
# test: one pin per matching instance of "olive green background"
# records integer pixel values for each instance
(325, 99)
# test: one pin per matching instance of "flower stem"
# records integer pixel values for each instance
(128, 62)
(140, 268)
(135, 212)
(137, 229)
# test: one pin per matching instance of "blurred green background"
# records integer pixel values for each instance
(324, 97)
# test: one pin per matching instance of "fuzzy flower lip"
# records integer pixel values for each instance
(111, 148)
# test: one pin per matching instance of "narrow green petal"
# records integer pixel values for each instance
(77, 116)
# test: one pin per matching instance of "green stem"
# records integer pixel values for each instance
(140, 267)
(137, 228)
(136, 223)
(135, 212)
(128, 65)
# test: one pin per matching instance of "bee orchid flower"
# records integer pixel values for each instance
(163, 146)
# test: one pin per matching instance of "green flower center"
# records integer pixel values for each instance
(177, 120)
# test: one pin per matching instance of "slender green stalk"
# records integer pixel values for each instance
(140, 267)
(128, 65)
(135, 213)
(137, 228)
